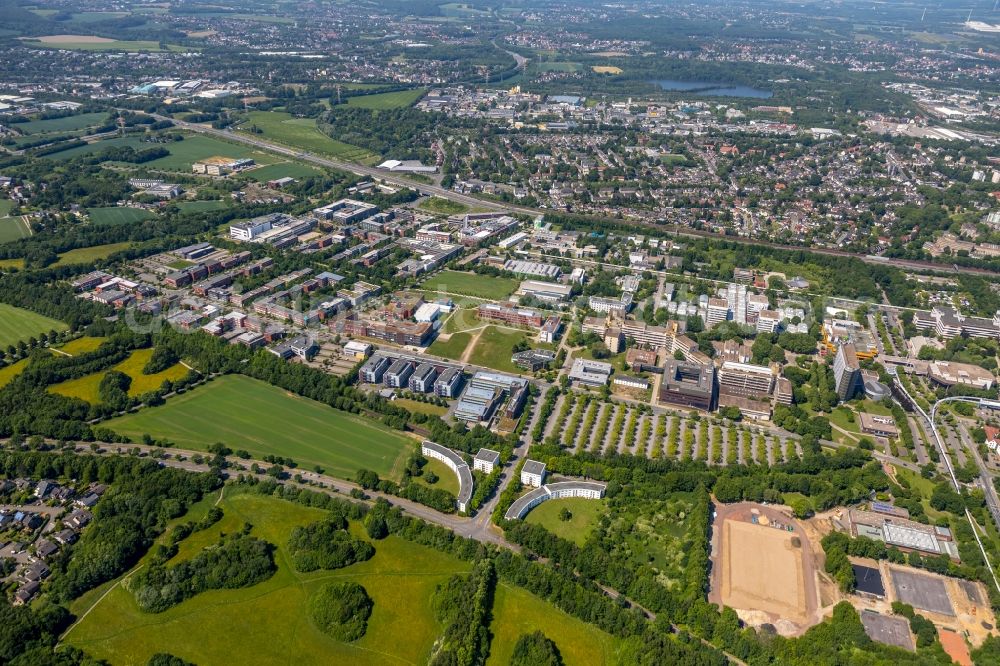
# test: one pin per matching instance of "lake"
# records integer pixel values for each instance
(712, 89)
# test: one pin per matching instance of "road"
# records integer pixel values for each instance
(943, 451)
(445, 193)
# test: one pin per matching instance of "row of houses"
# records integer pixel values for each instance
(418, 376)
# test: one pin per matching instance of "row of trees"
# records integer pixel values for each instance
(462, 605)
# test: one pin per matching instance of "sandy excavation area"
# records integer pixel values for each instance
(764, 572)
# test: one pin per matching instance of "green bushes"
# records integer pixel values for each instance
(326, 545)
(235, 561)
(462, 605)
(162, 358)
(535, 649)
(341, 610)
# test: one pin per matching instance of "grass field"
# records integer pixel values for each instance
(494, 348)
(271, 619)
(117, 215)
(182, 153)
(85, 255)
(443, 206)
(586, 513)
(471, 284)
(446, 478)
(248, 414)
(453, 347)
(12, 229)
(61, 125)
(418, 407)
(282, 170)
(85, 388)
(201, 206)
(606, 69)
(81, 345)
(17, 324)
(303, 133)
(388, 100)
(517, 611)
(8, 372)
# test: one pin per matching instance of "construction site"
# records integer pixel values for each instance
(784, 584)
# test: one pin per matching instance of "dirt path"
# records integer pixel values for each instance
(472, 345)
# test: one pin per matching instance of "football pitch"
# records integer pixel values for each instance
(245, 413)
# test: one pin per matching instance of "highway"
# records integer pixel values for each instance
(445, 193)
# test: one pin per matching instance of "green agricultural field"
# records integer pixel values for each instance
(446, 478)
(517, 611)
(495, 346)
(282, 170)
(302, 133)
(86, 255)
(61, 125)
(8, 372)
(81, 345)
(443, 206)
(586, 513)
(245, 413)
(17, 324)
(271, 618)
(471, 284)
(453, 347)
(86, 387)
(6, 205)
(12, 229)
(117, 215)
(387, 100)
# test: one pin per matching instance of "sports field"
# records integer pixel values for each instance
(245, 413)
(61, 125)
(388, 100)
(12, 229)
(17, 324)
(302, 133)
(586, 513)
(471, 284)
(201, 206)
(271, 619)
(517, 611)
(117, 215)
(86, 387)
